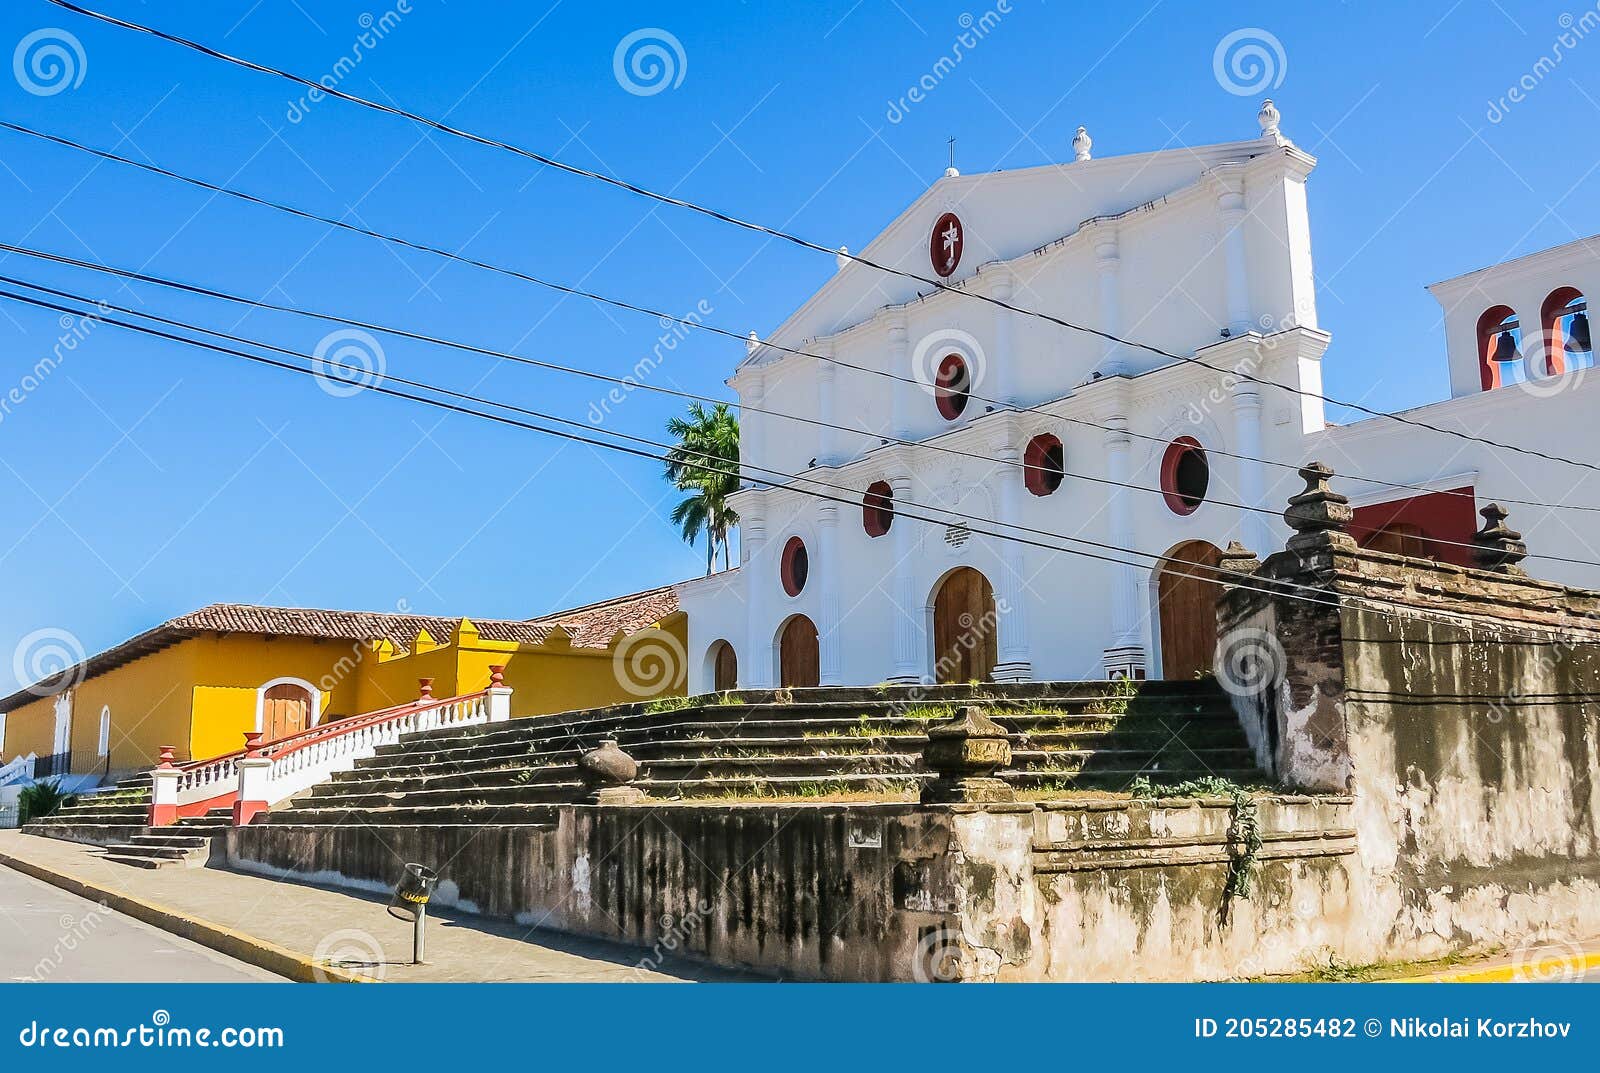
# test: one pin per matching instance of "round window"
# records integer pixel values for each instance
(1185, 475)
(796, 565)
(952, 387)
(877, 509)
(1044, 465)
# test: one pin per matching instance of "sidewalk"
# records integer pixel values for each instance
(314, 932)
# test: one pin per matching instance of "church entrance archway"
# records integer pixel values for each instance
(965, 628)
(1186, 606)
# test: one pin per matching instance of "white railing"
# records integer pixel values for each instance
(19, 770)
(209, 779)
(264, 774)
(301, 762)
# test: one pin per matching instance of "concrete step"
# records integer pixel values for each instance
(171, 839)
(135, 861)
(162, 852)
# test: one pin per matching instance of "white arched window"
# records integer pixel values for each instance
(105, 731)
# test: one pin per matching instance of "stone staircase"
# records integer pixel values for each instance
(802, 744)
(118, 820)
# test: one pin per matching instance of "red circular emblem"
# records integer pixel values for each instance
(944, 245)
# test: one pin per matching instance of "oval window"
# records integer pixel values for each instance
(1044, 465)
(1185, 475)
(952, 387)
(877, 509)
(795, 567)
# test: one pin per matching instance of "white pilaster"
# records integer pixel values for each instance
(752, 392)
(1107, 266)
(902, 390)
(1249, 472)
(908, 604)
(1230, 216)
(755, 665)
(827, 451)
(1124, 655)
(1011, 597)
(828, 638)
(1003, 362)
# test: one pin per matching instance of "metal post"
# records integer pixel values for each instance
(418, 948)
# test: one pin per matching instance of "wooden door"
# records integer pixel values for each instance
(965, 627)
(285, 710)
(1187, 606)
(797, 653)
(725, 673)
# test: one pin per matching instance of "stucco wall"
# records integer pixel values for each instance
(1114, 890)
(1457, 708)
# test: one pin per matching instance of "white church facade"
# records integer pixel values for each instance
(893, 431)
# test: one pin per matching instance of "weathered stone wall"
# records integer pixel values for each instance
(1458, 708)
(1106, 890)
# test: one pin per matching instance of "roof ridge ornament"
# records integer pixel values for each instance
(1081, 145)
(1269, 117)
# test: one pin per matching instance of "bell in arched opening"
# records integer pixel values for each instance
(1577, 341)
(1504, 351)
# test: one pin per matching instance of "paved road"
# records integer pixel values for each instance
(50, 935)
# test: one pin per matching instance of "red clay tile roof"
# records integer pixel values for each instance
(591, 626)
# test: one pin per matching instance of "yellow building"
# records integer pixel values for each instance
(200, 681)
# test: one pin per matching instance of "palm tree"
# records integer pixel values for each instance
(705, 463)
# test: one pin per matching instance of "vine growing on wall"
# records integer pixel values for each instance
(1244, 826)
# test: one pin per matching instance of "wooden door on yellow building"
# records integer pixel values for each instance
(285, 710)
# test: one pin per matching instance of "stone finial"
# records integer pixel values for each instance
(1269, 117)
(965, 752)
(1497, 546)
(1237, 559)
(607, 774)
(842, 258)
(497, 675)
(252, 742)
(951, 172)
(1081, 145)
(1318, 515)
(166, 763)
(424, 690)
(752, 342)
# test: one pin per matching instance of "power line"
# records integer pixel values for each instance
(667, 199)
(1281, 588)
(556, 367)
(662, 316)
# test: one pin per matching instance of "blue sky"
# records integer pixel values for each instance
(141, 480)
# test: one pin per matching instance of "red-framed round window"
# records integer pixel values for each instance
(877, 509)
(795, 566)
(1044, 465)
(1185, 475)
(952, 386)
(946, 242)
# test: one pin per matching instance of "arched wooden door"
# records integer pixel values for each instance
(1186, 597)
(797, 653)
(724, 667)
(285, 710)
(965, 626)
